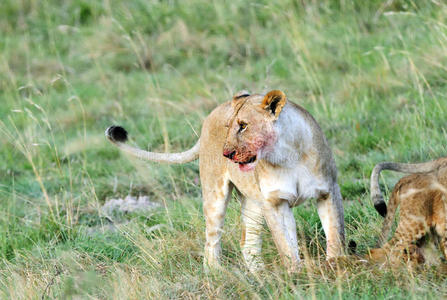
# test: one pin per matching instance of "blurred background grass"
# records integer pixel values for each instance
(373, 73)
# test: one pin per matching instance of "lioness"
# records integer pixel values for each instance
(422, 197)
(276, 156)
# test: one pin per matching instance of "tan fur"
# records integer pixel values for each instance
(422, 199)
(276, 156)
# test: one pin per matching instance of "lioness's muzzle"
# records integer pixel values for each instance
(229, 154)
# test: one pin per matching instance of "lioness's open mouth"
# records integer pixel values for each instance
(252, 159)
(248, 165)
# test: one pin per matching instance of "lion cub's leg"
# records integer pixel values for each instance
(330, 210)
(251, 241)
(411, 229)
(281, 222)
(440, 220)
(443, 245)
(215, 196)
(441, 231)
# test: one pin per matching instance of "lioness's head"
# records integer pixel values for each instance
(251, 131)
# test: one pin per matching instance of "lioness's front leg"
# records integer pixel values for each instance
(251, 241)
(281, 222)
(330, 210)
(215, 199)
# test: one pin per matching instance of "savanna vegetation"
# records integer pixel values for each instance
(373, 73)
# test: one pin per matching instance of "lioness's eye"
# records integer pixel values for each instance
(242, 126)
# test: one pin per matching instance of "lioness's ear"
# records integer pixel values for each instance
(240, 95)
(273, 102)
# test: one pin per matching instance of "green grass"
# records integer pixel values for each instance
(372, 73)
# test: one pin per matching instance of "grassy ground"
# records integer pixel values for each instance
(372, 73)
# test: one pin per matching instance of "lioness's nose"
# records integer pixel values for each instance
(229, 154)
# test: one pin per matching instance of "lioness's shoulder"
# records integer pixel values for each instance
(305, 114)
(220, 114)
(215, 124)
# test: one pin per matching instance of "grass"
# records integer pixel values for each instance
(372, 73)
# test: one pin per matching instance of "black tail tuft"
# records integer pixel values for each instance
(381, 208)
(116, 134)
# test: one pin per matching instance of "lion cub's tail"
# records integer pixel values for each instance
(393, 203)
(118, 136)
(376, 194)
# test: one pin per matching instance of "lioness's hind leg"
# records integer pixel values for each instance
(251, 241)
(215, 199)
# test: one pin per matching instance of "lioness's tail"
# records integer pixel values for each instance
(376, 194)
(118, 136)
